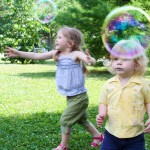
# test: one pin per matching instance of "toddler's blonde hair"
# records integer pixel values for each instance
(122, 47)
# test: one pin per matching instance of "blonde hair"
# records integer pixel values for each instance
(121, 48)
(75, 35)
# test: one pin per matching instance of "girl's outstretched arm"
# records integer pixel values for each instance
(11, 52)
(85, 57)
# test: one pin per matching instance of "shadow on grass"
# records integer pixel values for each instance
(41, 131)
(49, 74)
(35, 131)
(102, 74)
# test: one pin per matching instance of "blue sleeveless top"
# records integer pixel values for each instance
(70, 79)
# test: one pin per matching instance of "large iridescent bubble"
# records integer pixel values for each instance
(45, 11)
(126, 23)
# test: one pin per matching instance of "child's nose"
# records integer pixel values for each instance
(119, 62)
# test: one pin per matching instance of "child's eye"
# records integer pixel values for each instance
(58, 37)
(126, 59)
(116, 58)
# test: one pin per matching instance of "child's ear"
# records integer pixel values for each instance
(136, 65)
(70, 44)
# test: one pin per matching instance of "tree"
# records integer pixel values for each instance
(22, 31)
(88, 16)
(19, 28)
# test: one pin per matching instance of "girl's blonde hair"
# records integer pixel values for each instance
(73, 35)
(122, 48)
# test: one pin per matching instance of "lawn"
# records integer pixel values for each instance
(30, 107)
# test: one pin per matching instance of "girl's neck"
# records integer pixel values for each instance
(66, 51)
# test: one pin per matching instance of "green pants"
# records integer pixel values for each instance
(76, 112)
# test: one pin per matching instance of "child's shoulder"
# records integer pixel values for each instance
(54, 51)
(77, 52)
(145, 84)
(146, 81)
(143, 79)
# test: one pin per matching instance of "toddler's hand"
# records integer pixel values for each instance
(99, 120)
(147, 124)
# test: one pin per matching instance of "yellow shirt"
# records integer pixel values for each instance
(126, 105)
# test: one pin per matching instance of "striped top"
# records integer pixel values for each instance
(70, 79)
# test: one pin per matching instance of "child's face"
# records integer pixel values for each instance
(61, 42)
(123, 67)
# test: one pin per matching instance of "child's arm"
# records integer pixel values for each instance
(147, 124)
(85, 57)
(10, 52)
(100, 118)
(91, 60)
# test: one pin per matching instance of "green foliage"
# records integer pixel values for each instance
(20, 30)
(88, 16)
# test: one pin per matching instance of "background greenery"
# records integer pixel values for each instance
(30, 107)
(20, 30)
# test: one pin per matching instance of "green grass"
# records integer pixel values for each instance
(30, 107)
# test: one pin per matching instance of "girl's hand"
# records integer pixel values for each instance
(100, 120)
(10, 52)
(89, 58)
(147, 124)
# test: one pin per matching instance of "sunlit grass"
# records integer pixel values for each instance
(30, 107)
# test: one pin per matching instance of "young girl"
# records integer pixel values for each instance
(70, 81)
(125, 99)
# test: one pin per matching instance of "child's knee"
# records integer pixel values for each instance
(64, 126)
(65, 130)
(63, 121)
